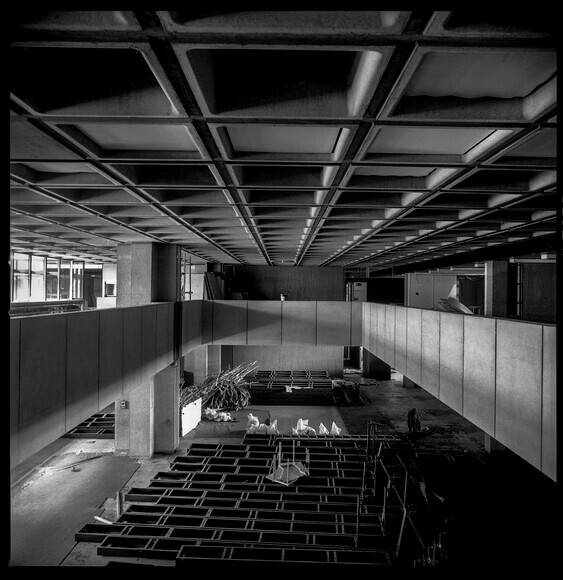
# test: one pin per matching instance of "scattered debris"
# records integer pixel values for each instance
(303, 428)
(214, 415)
(453, 305)
(72, 465)
(227, 389)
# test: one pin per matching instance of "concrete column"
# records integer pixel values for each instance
(147, 272)
(492, 445)
(167, 409)
(213, 358)
(189, 366)
(408, 383)
(375, 368)
(226, 357)
(496, 288)
(134, 421)
(199, 368)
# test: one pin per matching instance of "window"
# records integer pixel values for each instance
(20, 287)
(77, 279)
(37, 278)
(52, 280)
(64, 280)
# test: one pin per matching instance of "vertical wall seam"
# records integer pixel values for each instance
(394, 337)
(407, 341)
(246, 332)
(420, 345)
(316, 322)
(463, 366)
(495, 385)
(350, 333)
(541, 395)
(142, 343)
(439, 346)
(19, 388)
(98, 361)
(281, 322)
(66, 373)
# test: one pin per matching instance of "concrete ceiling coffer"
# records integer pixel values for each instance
(163, 174)
(74, 20)
(283, 142)
(300, 83)
(475, 84)
(114, 140)
(91, 81)
(61, 174)
(490, 23)
(301, 22)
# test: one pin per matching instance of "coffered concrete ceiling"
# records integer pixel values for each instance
(388, 139)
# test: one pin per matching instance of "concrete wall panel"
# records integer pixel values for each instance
(264, 322)
(519, 388)
(371, 322)
(164, 335)
(82, 367)
(111, 356)
(292, 358)
(414, 344)
(380, 332)
(206, 322)
(372, 328)
(42, 382)
(333, 323)
(299, 322)
(356, 330)
(451, 360)
(192, 324)
(549, 403)
(148, 344)
(132, 347)
(430, 352)
(366, 318)
(479, 372)
(389, 339)
(304, 283)
(229, 321)
(401, 340)
(14, 390)
(420, 291)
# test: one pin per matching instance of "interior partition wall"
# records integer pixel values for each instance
(499, 374)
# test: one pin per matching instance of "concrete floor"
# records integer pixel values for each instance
(501, 507)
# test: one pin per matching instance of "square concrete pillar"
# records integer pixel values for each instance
(199, 368)
(147, 272)
(492, 445)
(500, 288)
(213, 359)
(167, 409)
(375, 368)
(134, 421)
